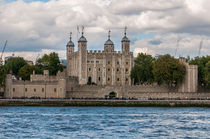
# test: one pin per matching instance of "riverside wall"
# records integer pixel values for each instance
(140, 91)
(113, 103)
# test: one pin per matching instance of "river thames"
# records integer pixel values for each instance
(104, 122)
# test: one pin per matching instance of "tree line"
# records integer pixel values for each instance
(167, 70)
(19, 67)
(147, 69)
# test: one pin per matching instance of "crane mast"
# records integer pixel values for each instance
(1, 58)
(200, 47)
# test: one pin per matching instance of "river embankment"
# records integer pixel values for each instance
(110, 103)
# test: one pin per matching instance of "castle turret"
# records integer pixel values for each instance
(82, 53)
(109, 45)
(70, 46)
(125, 43)
(69, 52)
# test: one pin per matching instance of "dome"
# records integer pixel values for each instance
(82, 39)
(109, 42)
(125, 39)
(70, 43)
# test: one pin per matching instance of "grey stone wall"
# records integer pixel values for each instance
(190, 83)
(145, 92)
(43, 87)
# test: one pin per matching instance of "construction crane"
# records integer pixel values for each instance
(200, 47)
(37, 58)
(177, 45)
(1, 58)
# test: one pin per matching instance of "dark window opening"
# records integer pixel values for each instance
(112, 95)
(89, 80)
(26, 89)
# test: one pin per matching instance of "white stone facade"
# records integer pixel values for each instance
(106, 67)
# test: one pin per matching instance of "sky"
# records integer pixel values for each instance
(36, 27)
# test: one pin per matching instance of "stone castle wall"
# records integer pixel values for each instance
(44, 87)
(141, 92)
(190, 83)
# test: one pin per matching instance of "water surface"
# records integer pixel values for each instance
(104, 122)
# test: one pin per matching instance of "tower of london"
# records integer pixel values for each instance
(106, 67)
(99, 74)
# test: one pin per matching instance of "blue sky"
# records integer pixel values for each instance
(33, 27)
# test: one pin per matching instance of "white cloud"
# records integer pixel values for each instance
(174, 44)
(33, 56)
(36, 26)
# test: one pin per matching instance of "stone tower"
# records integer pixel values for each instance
(82, 57)
(69, 51)
(125, 43)
(109, 45)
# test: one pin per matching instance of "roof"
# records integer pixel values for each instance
(125, 39)
(109, 42)
(82, 39)
(70, 43)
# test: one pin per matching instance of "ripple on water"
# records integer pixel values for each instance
(104, 122)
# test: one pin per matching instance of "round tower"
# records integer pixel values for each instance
(109, 45)
(125, 43)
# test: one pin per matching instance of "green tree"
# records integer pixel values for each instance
(142, 70)
(3, 73)
(50, 62)
(14, 64)
(168, 70)
(201, 62)
(25, 72)
(207, 74)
